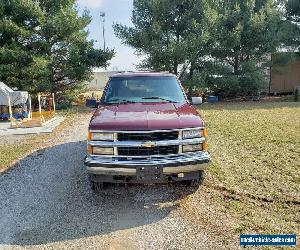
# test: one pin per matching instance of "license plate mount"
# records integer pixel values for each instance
(149, 173)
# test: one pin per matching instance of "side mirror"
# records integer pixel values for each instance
(197, 100)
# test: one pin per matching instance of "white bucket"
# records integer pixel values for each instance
(197, 100)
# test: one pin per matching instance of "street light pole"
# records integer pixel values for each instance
(102, 15)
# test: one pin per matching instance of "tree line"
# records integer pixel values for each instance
(220, 46)
(44, 46)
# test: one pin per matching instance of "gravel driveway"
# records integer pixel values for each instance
(46, 203)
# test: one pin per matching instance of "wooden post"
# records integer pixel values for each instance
(10, 111)
(30, 108)
(53, 101)
(40, 107)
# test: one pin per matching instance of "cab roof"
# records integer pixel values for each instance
(151, 74)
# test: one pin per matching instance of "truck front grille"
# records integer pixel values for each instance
(154, 136)
(143, 151)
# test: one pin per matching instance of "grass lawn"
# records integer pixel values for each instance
(255, 172)
(11, 153)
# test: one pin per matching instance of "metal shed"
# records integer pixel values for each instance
(285, 77)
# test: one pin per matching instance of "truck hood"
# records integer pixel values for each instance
(145, 116)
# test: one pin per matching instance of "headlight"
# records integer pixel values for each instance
(102, 136)
(103, 151)
(194, 133)
(192, 148)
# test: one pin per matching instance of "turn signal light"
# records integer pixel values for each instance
(89, 136)
(204, 132)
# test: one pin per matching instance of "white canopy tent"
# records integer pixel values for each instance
(11, 98)
(16, 97)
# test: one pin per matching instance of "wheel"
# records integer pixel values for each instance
(195, 182)
(97, 186)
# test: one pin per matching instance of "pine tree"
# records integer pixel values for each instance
(44, 46)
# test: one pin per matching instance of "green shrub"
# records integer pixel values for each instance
(63, 105)
(225, 86)
(251, 79)
(219, 79)
(246, 82)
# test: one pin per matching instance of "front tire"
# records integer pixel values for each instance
(97, 186)
(196, 182)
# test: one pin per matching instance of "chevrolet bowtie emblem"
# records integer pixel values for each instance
(149, 144)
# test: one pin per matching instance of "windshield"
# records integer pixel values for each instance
(143, 89)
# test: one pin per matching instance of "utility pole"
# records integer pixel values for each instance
(102, 16)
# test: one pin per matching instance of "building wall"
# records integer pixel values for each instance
(285, 78)
(99, 80)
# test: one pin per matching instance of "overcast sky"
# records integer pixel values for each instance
(116, 11)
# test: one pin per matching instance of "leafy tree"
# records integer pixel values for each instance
(172, 34)
(290, 36)
(18, 22)
(292, 8)
(44, 46)
(207, 42)
(247, 33)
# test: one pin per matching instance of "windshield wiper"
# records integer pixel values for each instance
(160, 98)
(119, 101)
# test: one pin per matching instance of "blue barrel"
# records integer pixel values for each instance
(18, 116)
(212, 99)
(92, 103)
(4, 116)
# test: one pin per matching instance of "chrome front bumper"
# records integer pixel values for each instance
(120, 165)
(175, 164)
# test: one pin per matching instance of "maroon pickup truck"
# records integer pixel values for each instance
(145, 131)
